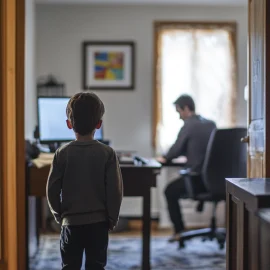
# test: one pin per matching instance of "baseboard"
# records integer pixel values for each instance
(135, 223)
(138, 218)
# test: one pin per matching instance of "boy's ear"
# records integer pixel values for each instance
(69, 125)
(98, 126)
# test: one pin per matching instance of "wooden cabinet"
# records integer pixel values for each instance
(264, 225)
(245, 198)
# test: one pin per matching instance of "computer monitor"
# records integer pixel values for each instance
(52, 121)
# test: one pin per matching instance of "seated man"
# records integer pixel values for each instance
(191, 142)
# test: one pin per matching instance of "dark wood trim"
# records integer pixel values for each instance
(20, 141)
(85, 44)
(205, 24)
(1, 136)
(27, 217)
(229, 226)
(138, 218)
(242, 233)
(249, 85)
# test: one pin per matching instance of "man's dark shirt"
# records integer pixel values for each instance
(192, 142)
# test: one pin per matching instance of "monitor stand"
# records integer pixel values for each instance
(106, 142)
(54, 146)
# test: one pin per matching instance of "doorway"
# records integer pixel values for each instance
(12, 134)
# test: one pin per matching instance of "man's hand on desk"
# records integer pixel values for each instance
(161, 159)
(179, 160)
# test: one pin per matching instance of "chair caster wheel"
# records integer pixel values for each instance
(221, 243)
(181, 244)
(221, 246)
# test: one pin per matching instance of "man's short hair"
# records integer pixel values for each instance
(85, 110)
(185, 101)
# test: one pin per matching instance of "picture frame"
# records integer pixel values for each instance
(108, 65)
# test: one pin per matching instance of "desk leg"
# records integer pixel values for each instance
(38, 218)
(146, 230)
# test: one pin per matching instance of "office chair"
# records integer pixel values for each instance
(225, 158)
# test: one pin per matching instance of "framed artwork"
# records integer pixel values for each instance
(108, 65)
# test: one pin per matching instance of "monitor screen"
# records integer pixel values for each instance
(52, 120)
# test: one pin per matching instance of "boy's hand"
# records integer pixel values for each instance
(111, 225)
(58, 219)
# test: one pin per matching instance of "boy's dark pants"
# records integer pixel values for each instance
(91, 238)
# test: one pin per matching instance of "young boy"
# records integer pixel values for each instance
(84, 188)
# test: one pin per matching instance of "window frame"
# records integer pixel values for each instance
(160, 26)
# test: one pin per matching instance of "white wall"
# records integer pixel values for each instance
(30, 72)
(62, 29)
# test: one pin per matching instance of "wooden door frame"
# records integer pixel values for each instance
(12, 145)
(266, 86)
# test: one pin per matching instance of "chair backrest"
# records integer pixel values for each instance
(226, 157)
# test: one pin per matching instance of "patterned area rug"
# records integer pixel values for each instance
(125, 254)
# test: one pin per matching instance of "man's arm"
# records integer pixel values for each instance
(53, 189)
(180, 145)
(114, 190)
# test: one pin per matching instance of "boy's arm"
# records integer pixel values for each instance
(53, 189)
(114, 189)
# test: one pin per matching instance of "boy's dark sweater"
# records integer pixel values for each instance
(85, 184)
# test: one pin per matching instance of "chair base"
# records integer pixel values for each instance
(207, 234)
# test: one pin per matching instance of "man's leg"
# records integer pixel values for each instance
(96, 244)
(71, 247)
(175, 191)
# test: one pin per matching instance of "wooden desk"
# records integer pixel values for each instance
(245, 198)
(137, 180)
(174, 164)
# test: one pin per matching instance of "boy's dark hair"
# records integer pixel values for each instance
(85, 110)
(185, 101)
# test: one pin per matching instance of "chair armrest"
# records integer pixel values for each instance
(184, 172)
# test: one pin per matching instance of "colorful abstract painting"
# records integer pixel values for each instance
(109, 66)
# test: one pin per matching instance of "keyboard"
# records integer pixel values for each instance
(126, 160)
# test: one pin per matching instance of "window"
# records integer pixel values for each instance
(194, 59)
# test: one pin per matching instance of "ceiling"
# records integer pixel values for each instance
(159, 2)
